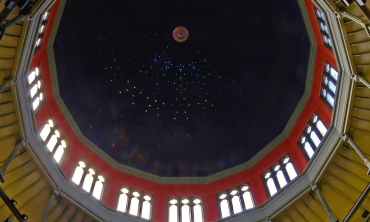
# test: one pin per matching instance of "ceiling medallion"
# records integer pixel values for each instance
(180, 34)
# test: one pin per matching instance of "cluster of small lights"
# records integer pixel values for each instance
(163, 86)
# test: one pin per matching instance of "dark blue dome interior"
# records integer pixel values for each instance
(181, 109)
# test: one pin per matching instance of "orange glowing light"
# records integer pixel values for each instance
(180, 34)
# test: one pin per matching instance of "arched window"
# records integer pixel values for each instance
(46, 130)
(54, 141)
(329, 84)
(197, 210)
(224, 205)
(247, 197)
(79, 172)
(312, 136)
(123, 200)
(235, 200)
(147, 207)
(98, 188)
(42, 27)
(279, 175)
(135, 202)
(173, 211)
(185, 209)
(323, 28)
(88, 178)
(36, 89)
(60, 151)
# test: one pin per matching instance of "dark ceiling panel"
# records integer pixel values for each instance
(181, 109)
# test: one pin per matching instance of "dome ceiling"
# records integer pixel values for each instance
(189, 108)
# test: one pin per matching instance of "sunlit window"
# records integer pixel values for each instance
(98, 188)
(42, 27)
(185, 209)
(36, 89)
(235, 200)
(53, 140)
(135, 202)
(279, 175)
(89, 179)
(323, 28)
(329, 84)
(60, 151)
(312, 136)
(79, 171)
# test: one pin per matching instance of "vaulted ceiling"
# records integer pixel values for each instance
(341, 179)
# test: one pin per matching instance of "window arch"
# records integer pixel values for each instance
(312, 136)
(329, 84)
(89, 179)
(135, 202)
(235, 200)
(41, 29)
(36, 89)
(54, 141)
(324, 30)
(279, 175)
(185, 209)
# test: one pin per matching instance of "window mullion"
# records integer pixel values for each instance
(129, 200)
(179, 208)
(241, 199)
(330, 92)
(274, 178)
(191, 205)
(229, 197)
(330, 78)
(312, 144)
(317, 132)
(141, 201)
(57, 144)
(52, 130)
(285, 173)
(95, 178)
(86, 169)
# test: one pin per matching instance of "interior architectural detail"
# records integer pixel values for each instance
(135, 203)
(54, 141)
(329, 84)
(55, 165)
(36, 89)
(279, 175)
(185, 209)
(235, 200)
(41, 31)
(88, 179)
(324, 28)
(312, 136)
